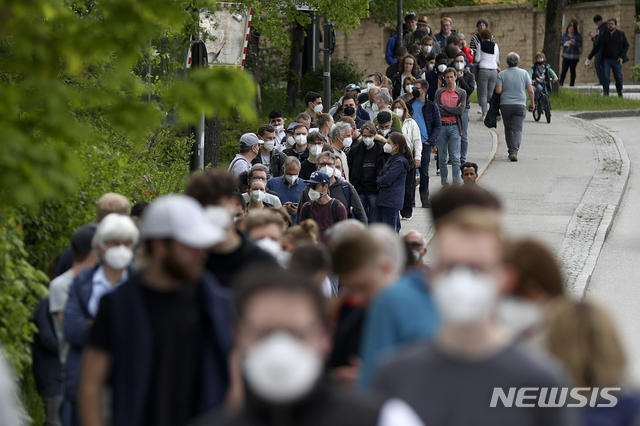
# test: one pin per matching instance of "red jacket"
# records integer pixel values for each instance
(469, 53)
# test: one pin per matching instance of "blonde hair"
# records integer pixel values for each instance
(111, 203)
(446, 19)
(264, 217)
(406, 114)
(307, 231)
(583, 337)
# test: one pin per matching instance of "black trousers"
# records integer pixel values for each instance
(409, 193)
(568, 64)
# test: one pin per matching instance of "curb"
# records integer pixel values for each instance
(583, 279)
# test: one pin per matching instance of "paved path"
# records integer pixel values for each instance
(615, 281)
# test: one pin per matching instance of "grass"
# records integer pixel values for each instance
(570, 100)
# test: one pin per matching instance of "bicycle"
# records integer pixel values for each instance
(543, 104)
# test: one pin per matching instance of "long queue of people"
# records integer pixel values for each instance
(199, 312)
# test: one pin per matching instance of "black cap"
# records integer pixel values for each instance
(81, 239)
(597, 18)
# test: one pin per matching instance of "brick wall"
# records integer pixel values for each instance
(516, 27)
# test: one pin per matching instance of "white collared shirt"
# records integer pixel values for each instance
(100, 286)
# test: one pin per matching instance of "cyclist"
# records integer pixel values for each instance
(541, 74)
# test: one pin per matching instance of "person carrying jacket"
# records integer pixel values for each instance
(391, 180)
(427, 116)
(162, 339)
(339, 189)
(366, 160)
(112, 244)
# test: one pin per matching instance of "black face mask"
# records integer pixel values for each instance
(416, 93)
(349, 110)
(540, 63)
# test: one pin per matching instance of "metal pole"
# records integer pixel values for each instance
(326, 74)
(400, 21)
(200, 138)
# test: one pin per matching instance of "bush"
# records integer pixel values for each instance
(635, 74)
(343, 72)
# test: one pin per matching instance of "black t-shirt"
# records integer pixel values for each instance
(178, 327)
(225, 267)
(306, 168)
(367, 184)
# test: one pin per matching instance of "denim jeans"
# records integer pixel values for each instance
(464, 139)
(597, 64)
(369, 205)
(537, 90)
(390, 217)
(609, 65)
(449, 147)
(424, 171)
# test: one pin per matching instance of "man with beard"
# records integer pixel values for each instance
(161, 339)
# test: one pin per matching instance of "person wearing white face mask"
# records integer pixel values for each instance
(366, 160)
(427, 48)
(113, 243)
(257, 195)
(411, 132)
(282, 342)
(265, 228)
(289, 186)
(249, 150)
(300, 148)
(308, 166)
(321, 207)
(313, 102)
(467, 82)
(270, 156)
(277, 120)
(471, 350)
(370, 106)
(341, 138)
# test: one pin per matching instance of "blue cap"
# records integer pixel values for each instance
(319, 177)
(351, 87)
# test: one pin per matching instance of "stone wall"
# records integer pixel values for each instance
(516, 27)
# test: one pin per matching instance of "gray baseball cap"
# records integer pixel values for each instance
(249, 139)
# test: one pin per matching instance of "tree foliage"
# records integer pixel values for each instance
(59, 61)
(385, 11)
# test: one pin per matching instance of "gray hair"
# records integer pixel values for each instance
(339, 129)
(327, 154)
(386, 97)
(343, 229)
(258, 168)
(513, 59)
(115, 226)
(390, 244)
(304, 116)
(291, 159)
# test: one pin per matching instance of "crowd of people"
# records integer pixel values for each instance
(198, 310)
(280, 291)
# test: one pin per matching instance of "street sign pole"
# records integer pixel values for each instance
(326, 73)
(400, 20)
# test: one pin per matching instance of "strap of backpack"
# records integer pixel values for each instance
(334, 210)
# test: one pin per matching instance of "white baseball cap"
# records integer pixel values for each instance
(181, 218)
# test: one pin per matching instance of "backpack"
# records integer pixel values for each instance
(334, 210)
(347, 195)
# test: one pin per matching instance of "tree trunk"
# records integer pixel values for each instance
(295, 67)
(553, 33)
(252, 64)
(213, 131)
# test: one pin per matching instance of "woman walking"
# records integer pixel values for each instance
(488, 60)
(391, 180)
(571, 42)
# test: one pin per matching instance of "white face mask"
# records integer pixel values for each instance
(314, 195)
(346, 142)
(431, 66)
(279, 128)
(385, 132)
(269, 145)
(327, 169)
(518, 314)
(337, 173)
(270, 246)
(118, 257)
(370, 85)
(442, 68)
(464, 297)
(281, 369)
(218, 216)
(388, 148)
(416, 256)
(460, 66)
(408, 88)
(399, 111)
(291, 141)
(317, 108)
(367, 141)
(427, 48)
(257, 196)
(301, 139)
(315, 150)
(375, 107)
(291, 178)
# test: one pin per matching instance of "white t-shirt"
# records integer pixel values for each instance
(59, 291)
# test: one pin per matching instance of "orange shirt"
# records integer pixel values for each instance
(449, 98)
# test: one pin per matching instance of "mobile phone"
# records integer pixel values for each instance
(294, 205)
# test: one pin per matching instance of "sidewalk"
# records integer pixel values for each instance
(629, 91)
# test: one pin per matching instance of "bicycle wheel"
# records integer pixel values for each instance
(537, 110)
(547, 107)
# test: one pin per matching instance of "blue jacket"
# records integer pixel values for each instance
(571, 51)
(390, 52)
(132, 351)
(391, 182)
(399, 315)
(431, 114)
(76, 327)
